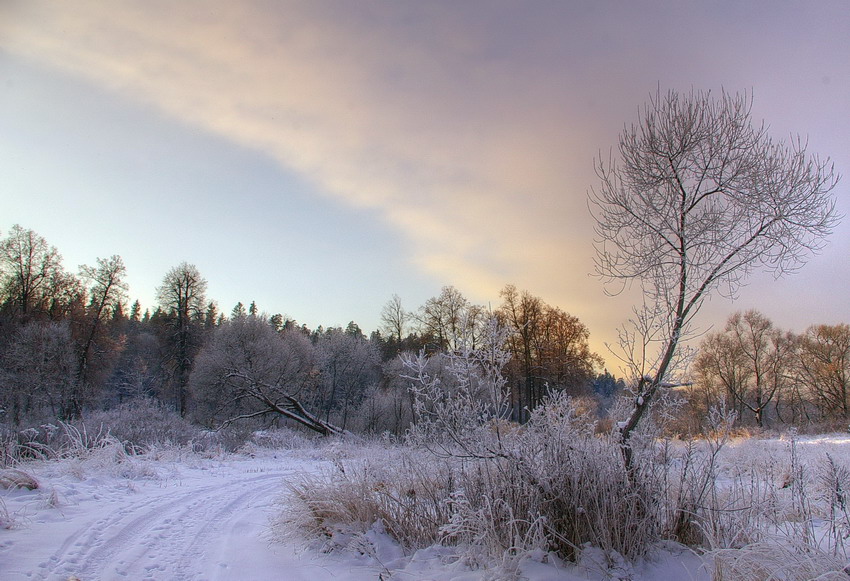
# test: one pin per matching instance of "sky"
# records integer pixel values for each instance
(318, 157)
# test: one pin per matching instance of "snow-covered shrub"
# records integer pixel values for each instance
(142, 423)
(460, 397)
(581, 486)
(404, 490)
(550, 482)
(555, 487)
(99, 451)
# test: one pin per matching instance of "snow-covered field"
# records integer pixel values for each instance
(176, 515)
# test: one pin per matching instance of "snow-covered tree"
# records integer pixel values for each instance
(248, 370)
(460, 396)
(699, 198)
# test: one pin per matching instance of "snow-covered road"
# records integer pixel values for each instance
(207, 521)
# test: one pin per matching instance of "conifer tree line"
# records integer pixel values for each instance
(75, 342)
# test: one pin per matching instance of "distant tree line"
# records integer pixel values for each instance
(771, 377)
(73, 342)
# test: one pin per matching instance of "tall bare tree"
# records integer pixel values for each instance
(107, 290)
(699, 198)
(394, 318)
(182, 296)
(30, 268)
(445, 317)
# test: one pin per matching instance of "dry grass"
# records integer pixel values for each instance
(776, 561)
(767, 510)
(11, 478)
(399, 492)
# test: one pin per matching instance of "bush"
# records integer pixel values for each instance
(405, 491)
(142, 423)
(554, 486)
(499, 492)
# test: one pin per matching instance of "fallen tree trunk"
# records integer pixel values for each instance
(283, 404)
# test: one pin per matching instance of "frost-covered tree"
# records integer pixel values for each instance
(460, 396)
(349, 365)
(249, 370)
(698, 199)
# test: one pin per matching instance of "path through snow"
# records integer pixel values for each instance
(209, 521)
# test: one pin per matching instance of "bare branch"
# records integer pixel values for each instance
(699, 199)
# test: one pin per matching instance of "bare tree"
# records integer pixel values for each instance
(107, 290)
(182, 297)
(30, 267)
(750, 359)
(444, 317)
(700, 198)
(249, 370)
(823, 367)
(394, 318)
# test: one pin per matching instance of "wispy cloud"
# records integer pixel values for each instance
(451, 145)
(469, 129)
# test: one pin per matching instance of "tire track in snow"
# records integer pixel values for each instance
(158, 538)
(217, 521)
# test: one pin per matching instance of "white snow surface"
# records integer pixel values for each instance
(179, 516)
